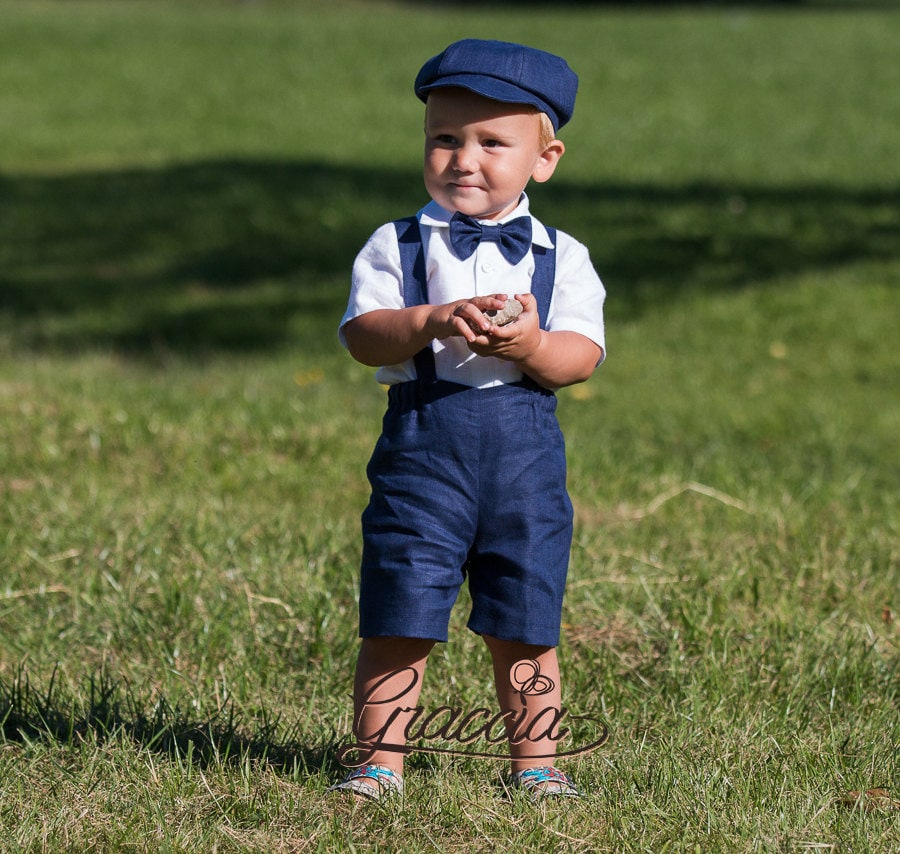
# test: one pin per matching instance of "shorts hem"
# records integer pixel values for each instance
(548, 637)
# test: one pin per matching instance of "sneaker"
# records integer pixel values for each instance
(375, 782)
(544, 782)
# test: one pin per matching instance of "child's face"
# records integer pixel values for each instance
(480, 154)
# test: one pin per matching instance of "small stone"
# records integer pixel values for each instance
(507, 314)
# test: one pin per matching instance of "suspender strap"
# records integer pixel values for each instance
(415, 284)
(544, 276)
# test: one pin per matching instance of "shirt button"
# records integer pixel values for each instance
(487, 268)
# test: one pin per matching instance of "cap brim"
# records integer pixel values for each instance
(492, 88)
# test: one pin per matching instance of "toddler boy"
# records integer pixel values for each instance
(469, 474)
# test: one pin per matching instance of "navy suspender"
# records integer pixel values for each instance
(415, 284)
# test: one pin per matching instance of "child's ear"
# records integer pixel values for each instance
(547, 161)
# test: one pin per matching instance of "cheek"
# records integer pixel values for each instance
(435, 161)
(513, 171)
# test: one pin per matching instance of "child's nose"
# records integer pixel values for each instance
(464, 159)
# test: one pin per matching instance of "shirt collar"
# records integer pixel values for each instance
(435, 216)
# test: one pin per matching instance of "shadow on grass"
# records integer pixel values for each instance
(109, 712)
(242, 255)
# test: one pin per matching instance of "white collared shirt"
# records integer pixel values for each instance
(576, 306)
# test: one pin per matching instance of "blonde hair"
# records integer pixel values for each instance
(546, 132)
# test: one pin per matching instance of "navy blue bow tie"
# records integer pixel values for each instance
(512, 238)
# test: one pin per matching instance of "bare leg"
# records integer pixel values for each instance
(388, 681)
(528, 683)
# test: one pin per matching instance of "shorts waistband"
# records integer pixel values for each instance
(417, 391)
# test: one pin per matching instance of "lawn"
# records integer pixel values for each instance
(183, 187)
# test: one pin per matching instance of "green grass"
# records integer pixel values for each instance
(183, 187)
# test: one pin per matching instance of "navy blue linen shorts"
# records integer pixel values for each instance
(466, 483)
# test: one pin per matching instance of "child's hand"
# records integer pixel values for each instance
(464, 318)
(517, 340)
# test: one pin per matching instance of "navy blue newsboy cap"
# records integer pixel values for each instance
(507, 72)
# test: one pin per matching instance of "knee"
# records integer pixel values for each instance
(515, 650)
(407, 649)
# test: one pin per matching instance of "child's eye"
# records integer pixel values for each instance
(445, 139)
(492, 143)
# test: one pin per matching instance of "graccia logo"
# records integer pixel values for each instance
(455, 731)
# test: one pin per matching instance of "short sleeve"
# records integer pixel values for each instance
(377, 280)
(578, 293)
